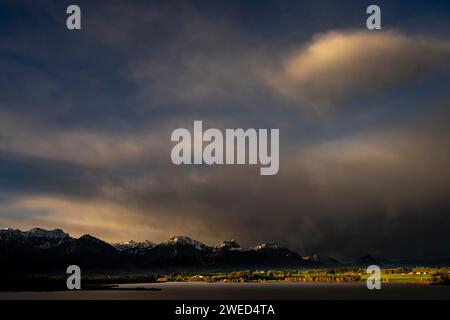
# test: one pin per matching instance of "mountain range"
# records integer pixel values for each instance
(40, 250)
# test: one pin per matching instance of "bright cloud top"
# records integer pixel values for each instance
(337, 65)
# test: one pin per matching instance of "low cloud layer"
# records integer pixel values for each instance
(82, 146)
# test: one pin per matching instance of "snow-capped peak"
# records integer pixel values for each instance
(133, 245)
(229, 245)
(48, 234)
(268, 246)
(36, 233)
(314, 258)
(183, 240)
(39, 238)
(9, 233)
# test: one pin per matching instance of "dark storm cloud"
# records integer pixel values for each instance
(32, 175)
(369, 192)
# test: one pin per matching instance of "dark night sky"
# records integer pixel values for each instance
(86, 118)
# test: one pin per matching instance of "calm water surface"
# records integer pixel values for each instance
(242, 291)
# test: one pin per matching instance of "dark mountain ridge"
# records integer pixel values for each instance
(40, 250)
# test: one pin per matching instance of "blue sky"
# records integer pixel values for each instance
(86, 117)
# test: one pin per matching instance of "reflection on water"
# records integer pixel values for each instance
(242, 291)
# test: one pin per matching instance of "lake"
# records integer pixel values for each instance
(245, 291)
